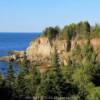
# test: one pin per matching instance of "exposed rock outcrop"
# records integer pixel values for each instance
(13, 56)
(8, 58)
(16, 53)
(41, 49)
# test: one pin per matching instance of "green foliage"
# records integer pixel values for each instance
(94, 94)
(81, 30)
(10, 75)
(53, 83)
(95, 31)
(20, 83)
(25, 63)
(82, 70)
(51, 32)
(1, 80)
(34, 80)
(55, 60)
(96, 75)
(69, 32)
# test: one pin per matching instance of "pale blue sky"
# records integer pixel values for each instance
(35, 15)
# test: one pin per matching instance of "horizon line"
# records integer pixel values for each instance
(21, 32)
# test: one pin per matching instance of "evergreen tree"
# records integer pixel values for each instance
(83, 74)
(95, 33)
(1, 79)
(96, 74)
(94, 94)
(9, 83)
(25, 63)
(10, 74)
(53, 83)
(83, 29)
(55, 61)
(34, 80)
(20, 84)
(51, 32)
(27, 83)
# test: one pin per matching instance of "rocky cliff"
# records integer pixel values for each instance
(41, 49)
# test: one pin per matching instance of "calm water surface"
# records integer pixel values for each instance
(14, 41)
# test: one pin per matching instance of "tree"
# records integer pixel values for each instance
(1, 79)
(95, 33)
(69, 32)
(83, 73)
(34, 80)
(20, 84)
(25, 63)
(96, 74)
(83, 29)
(51, 32)
(8, 88)
(88, 50)
(83, 80)
(94, 94)
(10, 74)
(53, 83)
(27, 83)
(55, 60)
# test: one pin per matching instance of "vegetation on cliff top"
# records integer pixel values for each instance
(80, 30)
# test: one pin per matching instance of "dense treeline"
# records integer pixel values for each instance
(80, 30)
(78, 80)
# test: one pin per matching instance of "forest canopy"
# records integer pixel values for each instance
(80, 30)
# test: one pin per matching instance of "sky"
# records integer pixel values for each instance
(36, 15)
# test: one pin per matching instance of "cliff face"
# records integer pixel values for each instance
(41, 49)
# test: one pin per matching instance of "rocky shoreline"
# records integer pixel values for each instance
(13, 56)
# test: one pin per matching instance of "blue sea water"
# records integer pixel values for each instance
(13, 41)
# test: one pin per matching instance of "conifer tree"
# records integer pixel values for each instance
(53, 83)
(25, 63)
(10, 74)
(55, 61)
(35, 80)
(1, 79)
(83, 74)
(20, 83)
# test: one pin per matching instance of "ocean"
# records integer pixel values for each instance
(13, 41)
